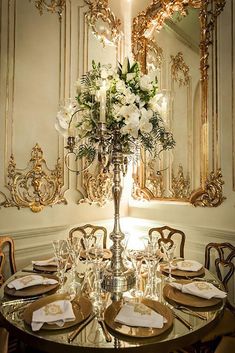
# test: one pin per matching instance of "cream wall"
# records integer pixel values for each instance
(40, 60)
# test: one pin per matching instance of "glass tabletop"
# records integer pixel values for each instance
(91, 338)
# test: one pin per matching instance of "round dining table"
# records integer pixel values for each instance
(91, 338)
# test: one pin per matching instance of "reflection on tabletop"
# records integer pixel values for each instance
(180, 312)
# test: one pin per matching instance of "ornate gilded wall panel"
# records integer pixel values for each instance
(177, 18)
(35, 186)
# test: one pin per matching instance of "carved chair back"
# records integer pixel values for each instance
(224, 260)
(168, 235)
(7, 255)
(91, 233)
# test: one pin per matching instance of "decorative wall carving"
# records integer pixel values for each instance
(98, 187)
(109, 32)
(180, 185)
(36, 186)
(54, 6)
(212, 194)
(179, 70)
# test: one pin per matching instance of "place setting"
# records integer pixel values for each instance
(145, 318)
(194, 294)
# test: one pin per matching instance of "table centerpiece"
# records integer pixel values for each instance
(113, 116)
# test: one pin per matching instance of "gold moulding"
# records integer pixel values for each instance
(98, 187)
(99, 10)
(212, 194)
(54, 6)
(36, 186)
(179, 70)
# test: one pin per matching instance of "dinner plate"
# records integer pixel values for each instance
(138, 332)
(107, 254)
(33, 290)
(174, 295)
(82, 308)
(184, 274)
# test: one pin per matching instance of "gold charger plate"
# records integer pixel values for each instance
(107, 254)
(49, 268)
(82, 308)
(174, 295)
(138, 332)
(183, 274)
(33, 290)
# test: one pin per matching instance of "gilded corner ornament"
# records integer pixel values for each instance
(36, 186)
(212, 194)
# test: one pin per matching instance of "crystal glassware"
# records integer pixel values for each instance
(62, 255)
(152, 257)
(169, 251)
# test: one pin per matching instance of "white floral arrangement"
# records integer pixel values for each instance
(123, 100)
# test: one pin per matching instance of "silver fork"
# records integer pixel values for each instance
(191, 312)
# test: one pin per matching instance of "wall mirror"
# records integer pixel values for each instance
(175, 41)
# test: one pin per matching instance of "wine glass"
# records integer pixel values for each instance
(62, 255)
(136, 257)
(74, 247)
(169, 251)
(152, 257)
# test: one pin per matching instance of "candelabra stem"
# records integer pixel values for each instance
(117, 278)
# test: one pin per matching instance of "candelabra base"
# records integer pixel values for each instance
(118, 283)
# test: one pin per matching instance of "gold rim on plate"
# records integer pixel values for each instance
(138, 332)
(181, 273)
(175, 295)
(33, 290)
(82, 308)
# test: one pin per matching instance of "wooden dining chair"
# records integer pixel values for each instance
(169, 235)
(7, 258)
(221, 257)
(4, 336)
(91, 232)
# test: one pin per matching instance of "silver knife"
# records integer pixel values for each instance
(74, 334)
(20, 301)
(191, 312)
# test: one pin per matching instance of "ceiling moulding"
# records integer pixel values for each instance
(34, 187)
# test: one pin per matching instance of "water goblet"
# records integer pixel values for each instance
(169, 250)
(152, 258)
(62, 257)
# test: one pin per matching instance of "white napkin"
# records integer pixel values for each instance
(50, 262)
(188, 265)
(132, 314)
(200, 289)
(57, 312)
(30, 280)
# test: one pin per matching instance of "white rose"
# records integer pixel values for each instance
(146, 83)
(120, 86)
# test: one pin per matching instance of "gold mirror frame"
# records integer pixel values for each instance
(210, 193)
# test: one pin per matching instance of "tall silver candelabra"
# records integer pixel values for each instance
(116, 278)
